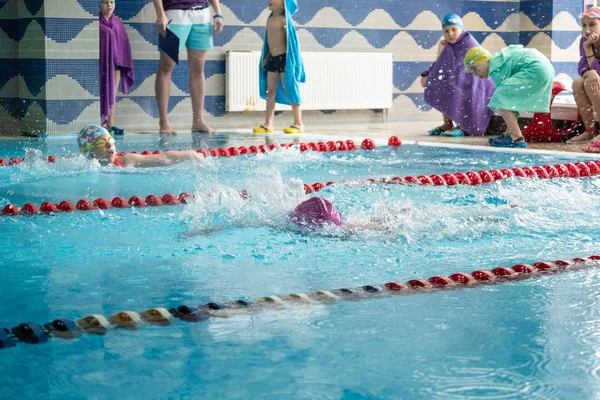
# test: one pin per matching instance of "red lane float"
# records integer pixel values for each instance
(102, 204)
(394, 141)
(575, 170)
(368, 144)
(48, 207)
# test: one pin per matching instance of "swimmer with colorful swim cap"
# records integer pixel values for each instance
(97, 143)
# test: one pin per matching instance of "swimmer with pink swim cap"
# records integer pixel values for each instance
(315, 212)
(312, 215)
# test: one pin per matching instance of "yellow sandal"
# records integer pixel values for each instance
(293, 129)
(262, 129)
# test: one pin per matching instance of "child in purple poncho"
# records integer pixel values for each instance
(116, 64)
(449, 89)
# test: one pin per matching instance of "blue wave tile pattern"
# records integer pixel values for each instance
(326, 25)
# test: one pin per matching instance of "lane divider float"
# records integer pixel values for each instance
(233, 151)
(97, 324)
(570, 170)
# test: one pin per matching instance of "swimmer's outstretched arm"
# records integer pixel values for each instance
(218, 228)
(365, 226)
(205, 231)
(157, 160)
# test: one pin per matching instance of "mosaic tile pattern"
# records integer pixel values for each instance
(49, 51)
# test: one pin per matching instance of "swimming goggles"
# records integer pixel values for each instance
(103, 143)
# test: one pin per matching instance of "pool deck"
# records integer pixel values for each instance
(415, 132)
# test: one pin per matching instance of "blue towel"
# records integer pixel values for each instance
(294, 66)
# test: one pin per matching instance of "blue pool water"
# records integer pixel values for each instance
(529, 339)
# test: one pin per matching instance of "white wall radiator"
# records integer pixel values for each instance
(334, 81)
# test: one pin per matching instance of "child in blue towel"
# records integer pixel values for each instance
(281, 69)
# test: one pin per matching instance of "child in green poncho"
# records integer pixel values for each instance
(523, 79)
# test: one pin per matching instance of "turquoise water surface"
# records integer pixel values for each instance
(535, 338)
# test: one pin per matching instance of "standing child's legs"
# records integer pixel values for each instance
(513, 136)
(448, 124)
(586, 101)
(298, 126)
(297, 111)
(162, 88)
(273, 79)
(512, 124)
(110, 121)
(197, 86)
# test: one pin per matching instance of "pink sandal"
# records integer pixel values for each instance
(593, 147)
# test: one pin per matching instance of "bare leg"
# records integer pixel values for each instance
(448, 124)
(272, 83)
(586, 110)
(512, 124)
(110, 121)
(296, 109)
(197, 89)
(162, 88)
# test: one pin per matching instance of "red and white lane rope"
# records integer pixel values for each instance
(64, 328)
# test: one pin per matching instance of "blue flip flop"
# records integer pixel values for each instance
(436, 131)
(454, 132)
(507, 141)
(117, 131)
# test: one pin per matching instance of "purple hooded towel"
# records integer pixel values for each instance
(460, 96)
(115, 52)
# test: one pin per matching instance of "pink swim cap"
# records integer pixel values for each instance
(315, 212)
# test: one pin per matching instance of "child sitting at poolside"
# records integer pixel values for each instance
(523, 79)
(456, 94)
(586, 87)
(116, 64)
(97, 143)
(281, 69)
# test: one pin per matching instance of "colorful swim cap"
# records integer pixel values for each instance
(476, 56)
(315, 212)
(88, 136)
(592, 12)
(452, 20)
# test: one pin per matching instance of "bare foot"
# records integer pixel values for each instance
(446, 127)
(203, 127)
(166, 130)
(586, 136)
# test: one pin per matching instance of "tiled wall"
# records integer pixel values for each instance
(49, 51)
